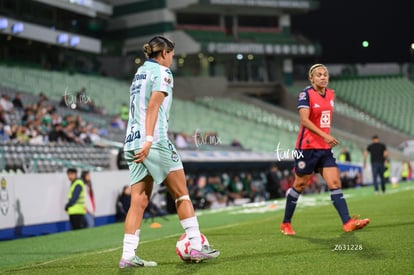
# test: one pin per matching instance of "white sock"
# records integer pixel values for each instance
(130, 245)
(192, 230)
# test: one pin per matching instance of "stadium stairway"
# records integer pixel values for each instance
(52, 158)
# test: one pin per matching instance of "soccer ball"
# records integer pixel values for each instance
(182, 248)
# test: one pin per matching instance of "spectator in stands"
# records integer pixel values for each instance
(286, 182)
(3, 117)
(344, 156)
(378, 152)
(57, 135)
(196, 193)
(238, 189)
(89, 199)
(124, 113)
(75, 206)
(387, 171)
(117, 123)
(6, 104)
(93, 134)
(5, 132)
(69, 131)
(64, 101)
(28, 115)
(17, 101)
(22, 135)
(250, 188)
(236, 143)
(273, 182)
(84, 135)
(34, 132)
(258, 187)
(123, 203)
(56, 118)
(42, 99)
(214, 191)
(181, 140)
(405, 170)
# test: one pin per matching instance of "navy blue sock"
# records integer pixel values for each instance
(339, 202)
(291, 200)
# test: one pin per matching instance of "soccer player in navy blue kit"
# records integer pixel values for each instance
(314, 150)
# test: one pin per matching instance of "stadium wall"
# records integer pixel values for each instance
(33, 204)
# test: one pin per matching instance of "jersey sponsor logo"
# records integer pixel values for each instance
(132, 136)
(140, 76)
(302, 96)
(325, 121)
(316, 105)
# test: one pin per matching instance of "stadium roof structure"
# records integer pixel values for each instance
(214, 26)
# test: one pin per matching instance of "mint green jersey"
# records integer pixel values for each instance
(150, 77)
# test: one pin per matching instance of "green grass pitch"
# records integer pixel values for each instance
(249, 240)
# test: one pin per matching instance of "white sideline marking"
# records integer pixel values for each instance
(88, 253)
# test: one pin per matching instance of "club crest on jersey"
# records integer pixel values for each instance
(174, 156)
(302, 96)
(167, 80)
(301, 164)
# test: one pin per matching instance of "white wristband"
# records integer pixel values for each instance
(149, 138)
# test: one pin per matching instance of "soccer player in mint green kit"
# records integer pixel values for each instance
(152, 157)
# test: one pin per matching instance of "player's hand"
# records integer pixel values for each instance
(142, 154)
(331, 140)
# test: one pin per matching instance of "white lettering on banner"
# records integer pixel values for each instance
(265, 3)
(257, 48)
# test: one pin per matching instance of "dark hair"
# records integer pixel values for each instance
(84, 173)
(156, 45)
(72, 170)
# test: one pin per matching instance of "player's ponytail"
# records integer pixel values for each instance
(156, 45)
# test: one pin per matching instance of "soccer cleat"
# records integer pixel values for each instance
(287, 229)
(135, 262)
(355, 223)
(206, 253)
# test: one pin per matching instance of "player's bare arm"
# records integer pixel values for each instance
(150, 120)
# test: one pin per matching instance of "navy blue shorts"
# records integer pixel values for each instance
(310, 160)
